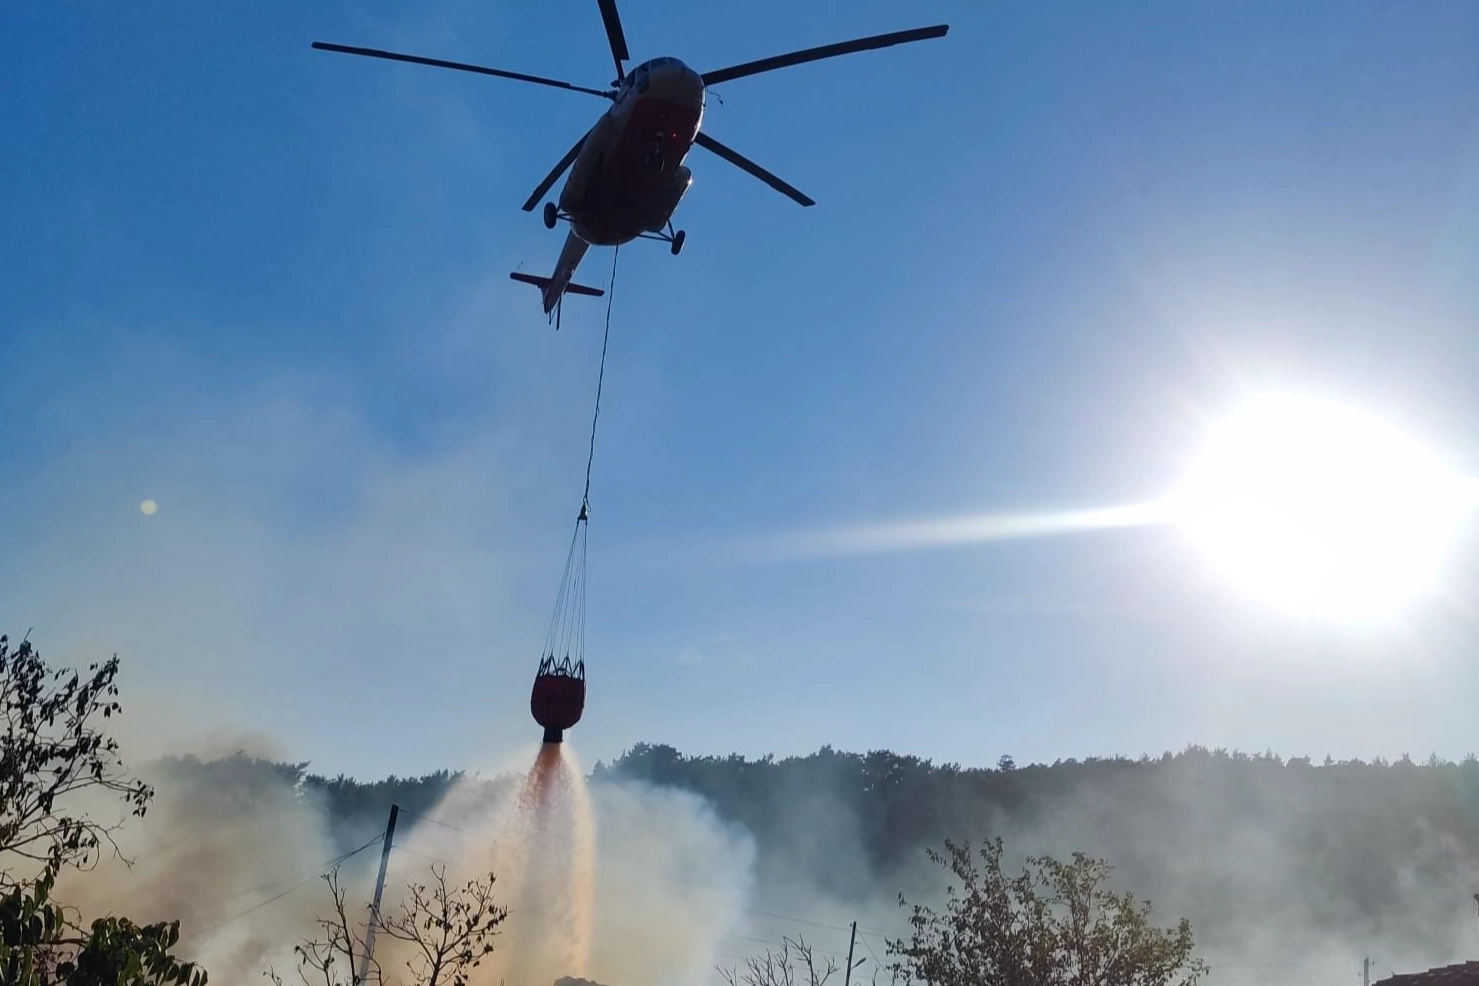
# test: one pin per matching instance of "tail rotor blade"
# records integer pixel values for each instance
(825, 51)
(554, 175)
(461, 67)
(615, 35)
(740, 161)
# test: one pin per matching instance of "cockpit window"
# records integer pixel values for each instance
(625, 87)
(653, 63)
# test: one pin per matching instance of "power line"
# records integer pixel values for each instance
(782, 944)
(761, 941)
(787, 917)
(821, 924)
(252, 890)
(480, 837)
(276, 897)
(445, 825)
(432, 859)
(277, 883)
(869, 946)
(249, 910)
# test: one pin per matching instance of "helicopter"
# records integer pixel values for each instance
(627, 172)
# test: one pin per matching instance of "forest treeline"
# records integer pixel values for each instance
(1246, 845)
(896, 803)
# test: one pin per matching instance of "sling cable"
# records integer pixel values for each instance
(558, 698)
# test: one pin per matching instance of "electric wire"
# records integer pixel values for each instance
(877, 962)
(439, 822)
(787, 917)
(425, 856)
(820, 924)
(326, 867)
(277, 883)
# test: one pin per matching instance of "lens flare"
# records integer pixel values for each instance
(1321, 508)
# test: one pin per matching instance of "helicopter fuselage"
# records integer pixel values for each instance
(626, 174)
(629, 175)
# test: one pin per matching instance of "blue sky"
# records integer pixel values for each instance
(267, 287)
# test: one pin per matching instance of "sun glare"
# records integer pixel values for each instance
(1322, 509)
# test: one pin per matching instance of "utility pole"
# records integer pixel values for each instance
(364, 962)
(847, 976)
(1366, 972)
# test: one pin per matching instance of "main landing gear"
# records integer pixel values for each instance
(673, 238)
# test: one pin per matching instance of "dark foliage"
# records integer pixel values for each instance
(1054, 924)
(53, 749)
(448, 932)
(1247, 846)
(1244, 844)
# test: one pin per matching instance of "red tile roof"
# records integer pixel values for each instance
(1462, 974)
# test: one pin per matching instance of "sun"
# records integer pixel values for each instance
(1322, 508)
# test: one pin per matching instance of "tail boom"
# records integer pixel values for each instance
(551, 296)
(558, 284)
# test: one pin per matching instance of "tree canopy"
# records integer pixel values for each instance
(1054, 924)
(1244, 845)
(55, 749)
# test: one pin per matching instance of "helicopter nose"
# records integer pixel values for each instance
(677, 83)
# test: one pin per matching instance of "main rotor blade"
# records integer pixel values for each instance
(825, 51)
(554, 175)
(614, 34)
(461, 66)
(740, 161)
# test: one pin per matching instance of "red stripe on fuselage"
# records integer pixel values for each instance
(628, 193)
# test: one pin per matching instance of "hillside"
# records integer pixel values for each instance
(1280, 864)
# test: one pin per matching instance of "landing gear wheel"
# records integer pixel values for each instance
(551, 214)
(677, 244)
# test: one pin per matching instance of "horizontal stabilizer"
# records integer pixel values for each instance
(544, 282)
